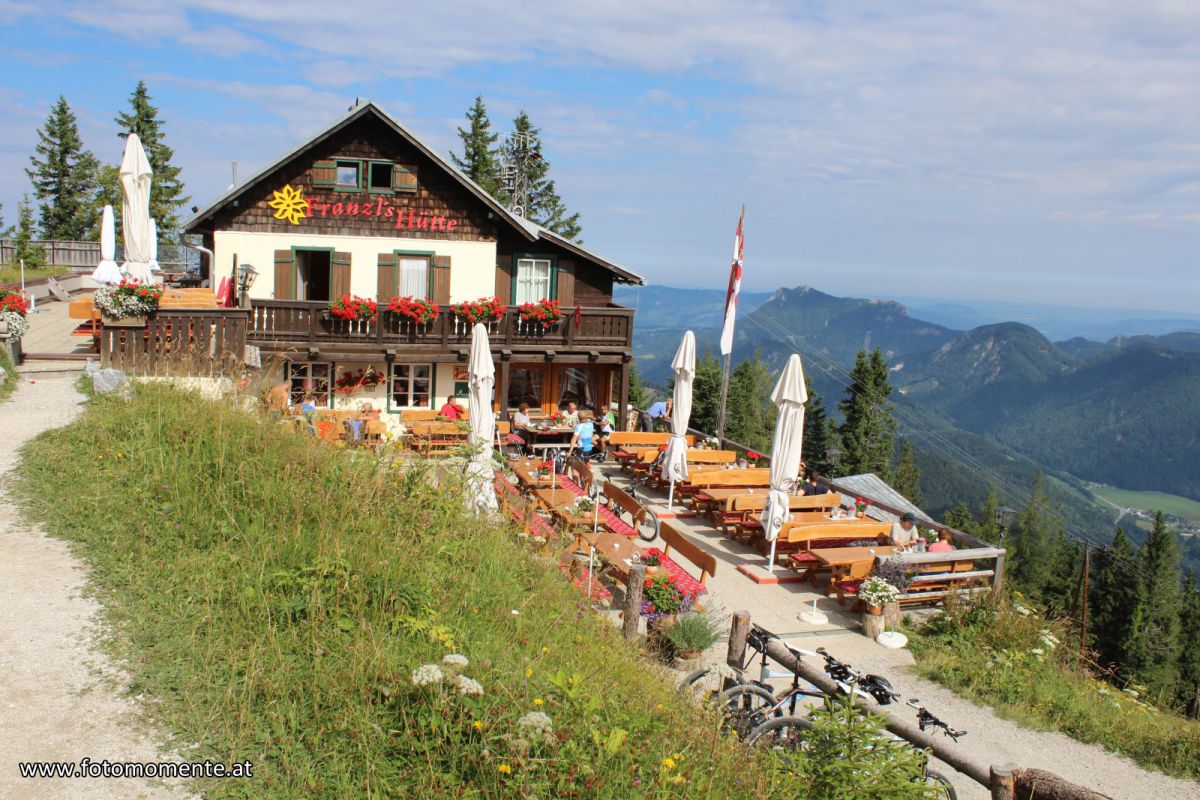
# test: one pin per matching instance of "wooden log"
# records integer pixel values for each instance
(1002, 782)
(1038, 784)
(633, 600)
(872, 624)
(739, 629)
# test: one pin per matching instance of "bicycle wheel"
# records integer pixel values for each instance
(785, 734)
(744, 708)
(937, 780)
(706, 684)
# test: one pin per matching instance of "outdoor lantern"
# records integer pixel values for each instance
(246, 275)
(833, 456)
(1005, 517)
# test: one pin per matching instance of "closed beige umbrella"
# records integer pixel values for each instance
(135, 177)
(789, 397)
(481, 378)
(675, 466)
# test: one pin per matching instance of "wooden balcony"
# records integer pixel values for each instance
(287, 324)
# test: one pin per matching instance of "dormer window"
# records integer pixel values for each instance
(379, 176)
(349, 175)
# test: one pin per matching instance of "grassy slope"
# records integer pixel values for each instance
(10, 376)
(1173, 504)
(989, 657)
(273, 596)
(12, 274)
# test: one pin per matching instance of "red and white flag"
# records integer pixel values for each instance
(735, 286)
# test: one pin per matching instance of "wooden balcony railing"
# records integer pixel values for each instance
(300, 322)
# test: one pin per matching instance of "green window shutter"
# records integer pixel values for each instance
(404, 179)
(285, 275)
(389, 277)
(324, 173)
(339, 281)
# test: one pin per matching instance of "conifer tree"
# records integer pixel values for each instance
(960, 519)
(818, 434)
(480, 158)
(637, 392)
(751, 412)
(63, 175)
(24, 249)
(867, 428)
(906, 478)
(706, 386)
(545, 206)
(1188, 693)
(1152, 647)
(987, 528)
(1113, 598)
(1042, 558)
(166, 188)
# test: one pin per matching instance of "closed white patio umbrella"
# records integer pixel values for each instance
(675, 465)
(481, 378)
(107, 271)
(789, 397)
(135, 177)
(154, 267)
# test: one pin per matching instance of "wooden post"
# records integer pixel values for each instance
(633, 600)
(739, 629)
(623, 394)
(502, 389)
(998, 577)
(1002, 782)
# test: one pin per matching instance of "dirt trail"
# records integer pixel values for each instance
(61, 699)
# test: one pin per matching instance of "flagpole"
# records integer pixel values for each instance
(735, 281)
(724, 394)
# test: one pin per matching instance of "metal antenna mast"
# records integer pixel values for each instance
(516, 171)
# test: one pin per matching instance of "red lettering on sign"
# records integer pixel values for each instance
(391, 211)
(379, 207)
(338, 209)
(422, 221)
(352, 209)
(451, 225)
(366, 210)
(437, 224)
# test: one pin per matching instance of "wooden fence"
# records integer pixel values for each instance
(58, 253)
(195, 342)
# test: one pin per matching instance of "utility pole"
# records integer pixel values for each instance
(515, 174)
(1081, 600)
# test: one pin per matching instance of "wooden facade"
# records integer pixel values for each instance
(349, 211)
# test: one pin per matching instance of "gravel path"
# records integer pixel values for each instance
(993, 740)
(61, 699)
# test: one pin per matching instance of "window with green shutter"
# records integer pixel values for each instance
(349, 176)
(379, 177)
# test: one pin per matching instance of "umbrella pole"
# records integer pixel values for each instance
(771, 559)
(591, 558)
(671, 496)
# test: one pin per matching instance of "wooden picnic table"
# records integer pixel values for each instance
(851, 563)
(550, 499)
(618, 550)
(524, 467)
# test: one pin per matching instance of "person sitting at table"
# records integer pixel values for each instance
(944, 543)
(585, 434)
(811, 487)
(904, 532)
(606, 423)
(521, 425)
(570, 417)
(452, 410)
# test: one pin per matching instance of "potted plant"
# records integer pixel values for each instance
(351, 308)
(541, 315)
(13, 312)
(860, 507)
(128, 303)
(661, 601)
(485, 309)
(417, 309)
(692, 634)
(876, 593)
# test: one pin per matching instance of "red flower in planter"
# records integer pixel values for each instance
(417, 309)
(351, 307)
(753, 456)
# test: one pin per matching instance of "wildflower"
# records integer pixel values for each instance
(528, 672)
(427, 674)
(668, 763)
(536, 725)
(725, 671)
(504, 769)
(659, 706)
(545, 650)
(537, 701)
(477, 725)
(1131, 692)
(1022, 610)
(468, 686)
(516, 613)
(1037, 651)
(455, 660)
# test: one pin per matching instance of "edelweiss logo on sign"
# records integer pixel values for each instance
(289, 204)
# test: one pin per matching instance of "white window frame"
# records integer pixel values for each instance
(428, 263)
(530, 288)
(394, 379)
(303, 371)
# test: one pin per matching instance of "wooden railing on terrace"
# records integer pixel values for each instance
(301, 322)
(196, 342)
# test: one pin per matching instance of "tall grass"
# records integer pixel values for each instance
(9, 382)
(273, 596)
(1009, 657)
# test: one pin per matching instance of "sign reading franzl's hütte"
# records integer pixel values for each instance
(291, 205)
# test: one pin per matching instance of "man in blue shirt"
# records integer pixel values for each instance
(585, 433)
(660, 414)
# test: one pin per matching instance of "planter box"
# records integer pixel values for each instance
(124, 322)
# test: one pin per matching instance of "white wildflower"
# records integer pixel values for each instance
(1037, 651)
(1131, 692)
(725, 671)
(1022, 610)
(536, 725)
(467, 686)
(1049, 641)
(516, 613)
(427, 674)
(455, 660)
(1102, 690)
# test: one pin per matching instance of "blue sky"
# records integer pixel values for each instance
(1026, 151)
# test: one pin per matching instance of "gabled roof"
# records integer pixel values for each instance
(871, 486)
(527, 229)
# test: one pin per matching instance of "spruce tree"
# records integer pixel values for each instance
(24, 249)
(480, 159)
(63, 175)
(1155, 640)
(1040, 554)
(817, 432)
(1113, 597)
(545, 206)
(1188, 693)
(637, 392)
(166, 188)
(706, 387)
(751, 414)
(987, 528)
(906, 478)
(960, 519)
(867, 428)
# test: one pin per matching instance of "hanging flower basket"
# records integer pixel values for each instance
(416, 309)
(485, 309)
(542, 314)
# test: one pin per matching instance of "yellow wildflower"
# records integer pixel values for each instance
(545, 649)
(477, 725)
(668, 763)
(504, 769)
(659, 706)
(537, 701)
(528, 672)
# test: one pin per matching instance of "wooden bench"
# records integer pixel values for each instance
(931, 584)
(513, 503)
(579, 472)
(620, 502)
(188, 298)
(695, 457)
(628, 446)
(705, 562)
(798, 538)
(805, 509)
(412, 416)
(438, 438)
(694, 486)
